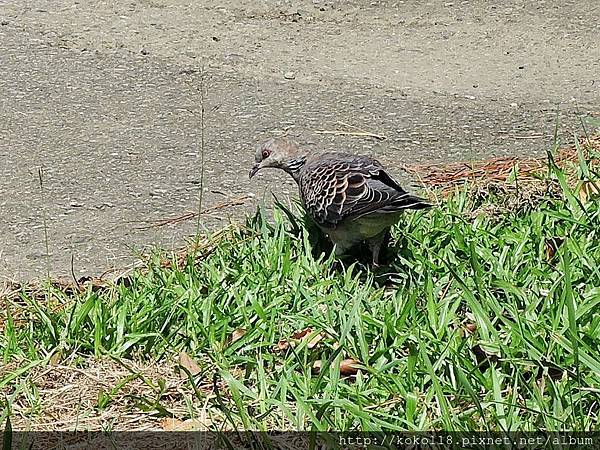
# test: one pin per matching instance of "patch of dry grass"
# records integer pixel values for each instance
(100, 393)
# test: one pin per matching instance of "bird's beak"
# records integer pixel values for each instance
(254, 169)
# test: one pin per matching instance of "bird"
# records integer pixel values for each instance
(352, 198)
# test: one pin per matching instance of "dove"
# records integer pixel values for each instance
(351, 198)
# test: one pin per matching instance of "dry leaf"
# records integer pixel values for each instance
(298, 337)
(552, 246)
(281, 346)
(588, 190)
(302, 333)
(186, 361)
(349, 367)
(55, 359)
(165, 263)
(171, 424)
(237, 334)
(316, 367)
(470, 328)
(315, 341)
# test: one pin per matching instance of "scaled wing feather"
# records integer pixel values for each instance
(335, 187)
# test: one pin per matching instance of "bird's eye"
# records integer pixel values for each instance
(265, 154)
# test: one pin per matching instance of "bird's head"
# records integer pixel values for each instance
(279, 153)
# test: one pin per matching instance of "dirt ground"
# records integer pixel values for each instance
(103, 96)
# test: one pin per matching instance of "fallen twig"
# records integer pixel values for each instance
(190, 215)
(358, 132)
(352, 133)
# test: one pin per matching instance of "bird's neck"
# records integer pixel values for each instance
(294, 166)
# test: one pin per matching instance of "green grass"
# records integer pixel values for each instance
(531, 362)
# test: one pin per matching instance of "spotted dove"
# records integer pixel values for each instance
(351, 198)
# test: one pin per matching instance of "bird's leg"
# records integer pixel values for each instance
(376, 243)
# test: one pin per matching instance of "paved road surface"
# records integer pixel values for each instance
(104, 97)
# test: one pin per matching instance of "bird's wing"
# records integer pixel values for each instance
(337, 187)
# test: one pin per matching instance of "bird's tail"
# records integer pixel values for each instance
(408, 201)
